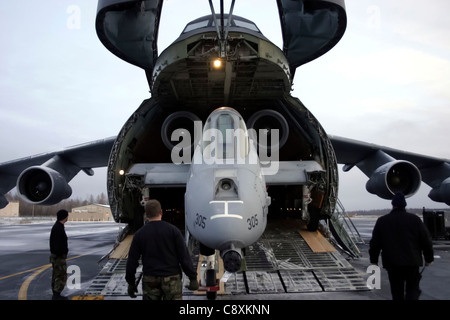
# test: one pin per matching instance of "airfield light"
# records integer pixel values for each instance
(217, 63)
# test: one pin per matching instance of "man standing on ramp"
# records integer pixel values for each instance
(164, 256)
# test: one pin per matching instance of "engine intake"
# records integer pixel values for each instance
(263, 122)
(42, 185)
(184, 122)
(393, 177)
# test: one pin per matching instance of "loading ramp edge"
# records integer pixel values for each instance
(280, 262)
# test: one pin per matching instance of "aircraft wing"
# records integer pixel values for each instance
(369, 158)
(373, 160)
(68, 162)
(161, 174)
(176, 175)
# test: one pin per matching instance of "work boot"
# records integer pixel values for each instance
(58, 296)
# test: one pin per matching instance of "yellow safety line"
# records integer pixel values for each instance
(24, 287)
(19, 273)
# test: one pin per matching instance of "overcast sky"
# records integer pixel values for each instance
(387, 81)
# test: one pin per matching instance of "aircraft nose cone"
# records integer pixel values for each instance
(232, 261)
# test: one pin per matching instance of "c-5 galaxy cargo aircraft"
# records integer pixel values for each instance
(221, 138)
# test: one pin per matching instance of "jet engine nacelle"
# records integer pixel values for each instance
(262, 123)
(42, 185)
(441, 193)
(393, 177)
(180, 125)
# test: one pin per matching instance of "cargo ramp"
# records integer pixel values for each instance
(286, 259)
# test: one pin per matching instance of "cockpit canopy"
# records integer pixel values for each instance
(208, 24)
(208, 21)
(225, 136)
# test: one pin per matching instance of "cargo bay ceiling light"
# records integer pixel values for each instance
(217, 63)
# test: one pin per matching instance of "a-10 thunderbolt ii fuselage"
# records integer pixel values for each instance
(240, 87)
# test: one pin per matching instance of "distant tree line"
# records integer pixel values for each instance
(374, 212)
(380, 212)
(30, 210)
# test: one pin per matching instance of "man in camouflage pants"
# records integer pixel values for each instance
(58, 255)
(157, 288)
(164, 256)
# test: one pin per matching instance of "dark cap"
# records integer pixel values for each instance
(62, 214)
(398, 201)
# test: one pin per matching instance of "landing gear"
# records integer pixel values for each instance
(211, 284)
(208, 277)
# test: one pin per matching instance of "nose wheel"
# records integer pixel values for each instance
(212, 284)
(208, 277)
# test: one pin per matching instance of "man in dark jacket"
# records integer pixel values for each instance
(402, 238)
(164, 256)
(58, 255)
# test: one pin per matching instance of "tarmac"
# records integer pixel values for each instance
(24, 263)
(326, 276)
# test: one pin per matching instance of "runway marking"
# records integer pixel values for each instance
(19, 273)
(24, 287)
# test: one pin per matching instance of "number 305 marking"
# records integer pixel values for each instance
(200, 221)
(252, 222)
